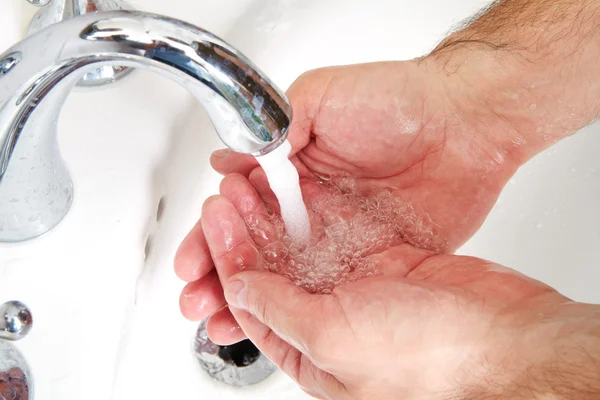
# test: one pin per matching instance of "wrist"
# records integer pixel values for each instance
(569, 368)
(549, 354)
(530, 70)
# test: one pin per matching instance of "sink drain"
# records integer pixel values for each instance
(239, 364)
(15, 378)
(241, 354)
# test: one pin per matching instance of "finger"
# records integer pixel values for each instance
(201, 299)
(289, 311)
(242, 194)
(311, 189)
(223, 329)
(192, 260)
(258, 179)
(227, 161)
(231, 248)
(305, 95)
(302, 169)
(290, 360)
(248, 203)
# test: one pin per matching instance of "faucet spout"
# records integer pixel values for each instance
(250, 114)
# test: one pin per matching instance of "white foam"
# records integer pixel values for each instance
(285, 183)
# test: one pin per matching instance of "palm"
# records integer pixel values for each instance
(392, 125)
(442, 308)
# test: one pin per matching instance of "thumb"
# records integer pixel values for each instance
(306, 97)
(290, 327)
(289, 311)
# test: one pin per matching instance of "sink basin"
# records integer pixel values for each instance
(101, 286)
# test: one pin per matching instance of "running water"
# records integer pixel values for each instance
(285, 183)
(336, 234)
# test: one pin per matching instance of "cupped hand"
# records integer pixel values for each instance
(430, 327)
(404, 126)
(385, 125)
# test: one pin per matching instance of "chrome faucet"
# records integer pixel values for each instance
(250, 114)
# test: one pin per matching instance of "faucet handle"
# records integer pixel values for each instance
(15, 320)
(39, 3)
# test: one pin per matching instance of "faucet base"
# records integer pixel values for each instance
(59, 10)
(15, 375)
(36, 190)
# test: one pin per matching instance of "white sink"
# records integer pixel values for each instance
(104, 297)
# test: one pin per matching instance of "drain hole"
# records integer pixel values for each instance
(240, 354)
(239, 364)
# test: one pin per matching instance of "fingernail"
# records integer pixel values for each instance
(236, 294)
(220, 153)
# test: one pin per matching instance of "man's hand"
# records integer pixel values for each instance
(385, 125)
(432, 327)
(444, 133)
(393, 125)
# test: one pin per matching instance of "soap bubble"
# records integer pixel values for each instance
(353, 227)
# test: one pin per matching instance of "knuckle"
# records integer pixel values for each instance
(291, 363)
(242, 256)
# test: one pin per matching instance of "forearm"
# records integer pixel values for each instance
(535, 64)
(555, 358)
(570, 367)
